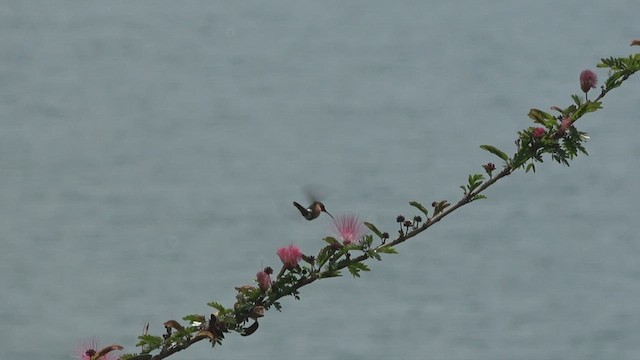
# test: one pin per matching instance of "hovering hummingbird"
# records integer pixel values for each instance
(313, 211)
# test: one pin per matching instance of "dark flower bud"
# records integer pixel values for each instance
(588, 80)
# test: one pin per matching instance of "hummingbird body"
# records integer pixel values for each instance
(313, 211)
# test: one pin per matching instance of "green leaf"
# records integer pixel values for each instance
(542, 117)
(495, 151)
(218, 307)
(475, 180)
(577, 99)
(374, 229)
(330, 273)
(356, 267)
(153, 342)
(367, 240)
(324, 255)
(374, 254)
(386, 250)
(419, 206)
(531, 166)
(331, 241)
(194, 318)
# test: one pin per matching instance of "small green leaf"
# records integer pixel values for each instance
(149, 340)
(374, 254)
(386, 250)
(324, 255)
(541, 117)
(218, 307)
(331, 241)
(419, 206)
(577, 99)
(495, 151)
(194, 318)
(330, 273)
(475, 180)
(356, 267)
(531, 166)
(367, 240)
(374, 229)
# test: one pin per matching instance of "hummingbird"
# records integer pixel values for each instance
(313, 211)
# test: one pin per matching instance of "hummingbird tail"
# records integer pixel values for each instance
(302, 209)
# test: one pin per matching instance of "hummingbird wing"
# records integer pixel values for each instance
(312, 193)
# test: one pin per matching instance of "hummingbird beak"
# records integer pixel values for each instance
(328, 213)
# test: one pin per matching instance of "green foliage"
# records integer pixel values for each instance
(149, 342)
(221, 309)
(386, 250)
(194, 318)
(420, 207)
(331, 240)
(356, 267)
(543, 118)
(621, 67)
(330, 273)
(324, 255)
(473, 183)
(374, 229)
(587, 107)
(495, 151)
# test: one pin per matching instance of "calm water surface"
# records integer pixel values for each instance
(150, 152)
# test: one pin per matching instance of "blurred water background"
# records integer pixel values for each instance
(150, 152)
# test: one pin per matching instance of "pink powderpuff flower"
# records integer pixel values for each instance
(349, 228)
(87, 350)
(564, 125)
(588, 80)
(290, 256)
(539, 132)
(264, 280)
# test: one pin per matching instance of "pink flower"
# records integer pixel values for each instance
(349, 228)
(539, 132)
(564, 125)
(588, 80)
(264, 280)
(88, 349)
(290, 256)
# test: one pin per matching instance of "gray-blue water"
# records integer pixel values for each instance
(150, 151)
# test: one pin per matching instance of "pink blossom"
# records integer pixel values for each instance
(564, 125)
(290, 256)
(349, 228)
(539, 132)
(264, 280)
(588, 80)
(90, 348)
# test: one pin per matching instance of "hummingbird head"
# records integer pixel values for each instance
(321, 206)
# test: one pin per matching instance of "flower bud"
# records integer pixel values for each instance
(539, 132)
(588, 80)
(264, 281)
